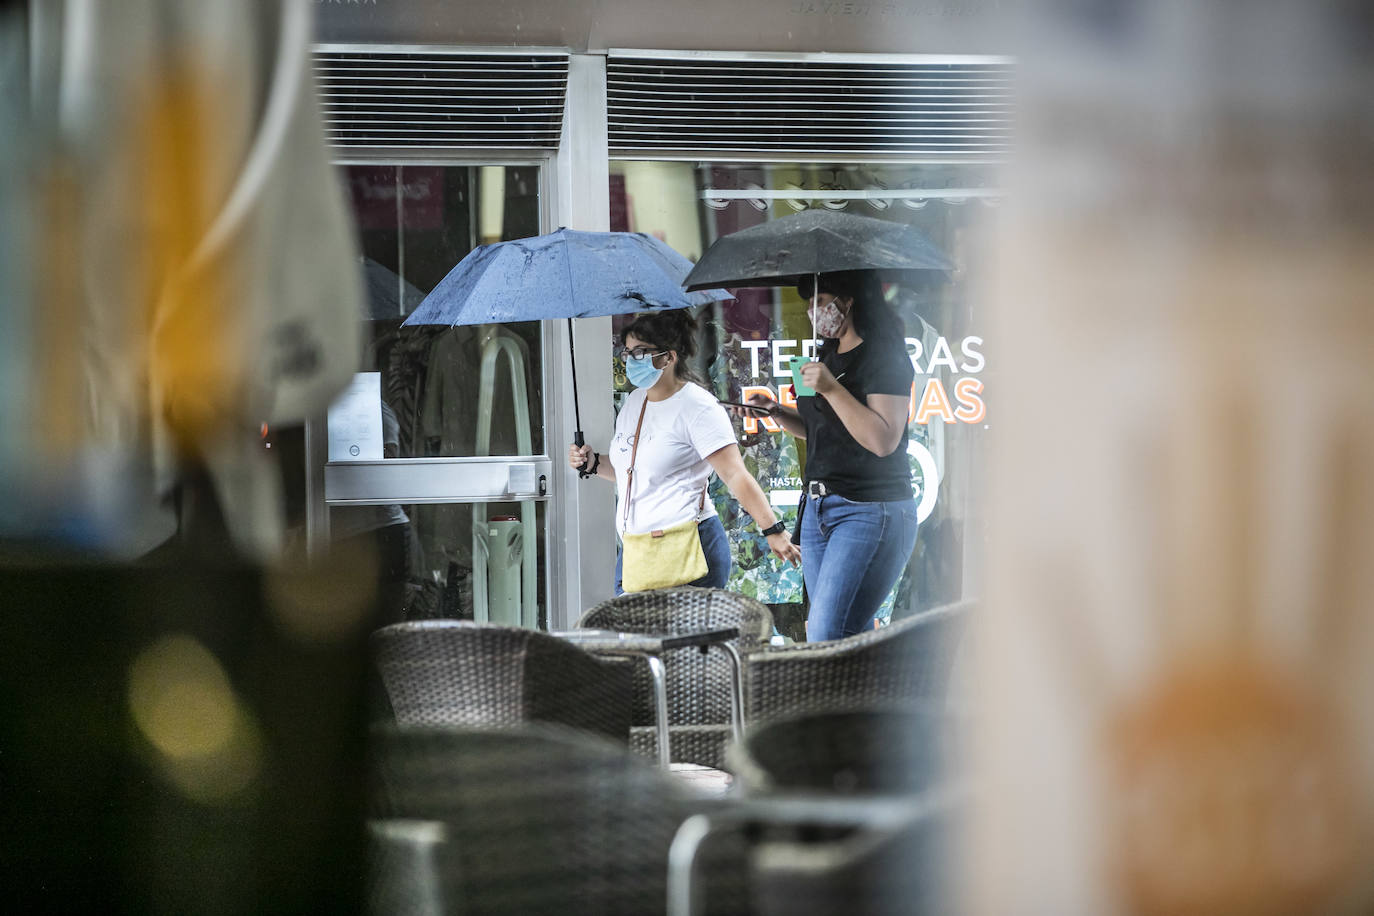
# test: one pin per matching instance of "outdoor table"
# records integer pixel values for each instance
(651, 647)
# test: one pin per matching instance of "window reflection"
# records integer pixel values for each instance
(447, 392)
(414, 224)
(429, 558)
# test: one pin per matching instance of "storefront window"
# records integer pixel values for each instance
(505, 585)
(746, 343)
(414, 224)
(431, 400)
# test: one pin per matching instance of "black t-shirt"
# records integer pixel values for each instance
(832, 455)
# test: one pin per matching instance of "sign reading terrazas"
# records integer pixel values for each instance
(932, 400)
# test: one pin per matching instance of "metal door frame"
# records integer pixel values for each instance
(445, 480)
(579, 521)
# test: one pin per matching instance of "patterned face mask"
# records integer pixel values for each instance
(826, 320)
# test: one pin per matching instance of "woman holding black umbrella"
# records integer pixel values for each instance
(674, 433)
(858, 513)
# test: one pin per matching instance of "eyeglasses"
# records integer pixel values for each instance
(638, 352)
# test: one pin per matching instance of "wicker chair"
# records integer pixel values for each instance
(539, 820)
(818, 852)
(876, 751)
(906, 662)
(887, 754)
(698, 684)
(458, 673)
(903, 870)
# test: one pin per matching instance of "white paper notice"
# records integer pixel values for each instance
(355, 420)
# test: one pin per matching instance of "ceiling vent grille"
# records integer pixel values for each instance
(435, 99)
(939, 111)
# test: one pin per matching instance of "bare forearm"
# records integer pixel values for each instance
(730, 466)
(790, 420)
(750, 495)
(879, 434)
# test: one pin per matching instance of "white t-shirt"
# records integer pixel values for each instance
(671, 468)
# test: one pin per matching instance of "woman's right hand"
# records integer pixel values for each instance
(784, 549)
(579, 456)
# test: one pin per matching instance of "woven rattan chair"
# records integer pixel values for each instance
(458, 673)
(538, 820)
(820, 852)
(861, 752)
(878, 754)
(908, 661)
(903, 870)
(698, 684)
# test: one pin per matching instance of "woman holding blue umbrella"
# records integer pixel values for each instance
(674, 434)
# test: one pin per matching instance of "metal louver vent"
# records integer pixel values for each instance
(440, 99)
(945, 111)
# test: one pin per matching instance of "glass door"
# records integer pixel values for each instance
(435, 457)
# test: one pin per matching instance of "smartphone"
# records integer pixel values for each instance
(797, 362)
(762, 411)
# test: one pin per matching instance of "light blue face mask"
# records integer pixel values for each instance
(641, 372)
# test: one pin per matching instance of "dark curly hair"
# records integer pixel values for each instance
(673, 329)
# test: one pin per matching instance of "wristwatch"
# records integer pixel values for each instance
(775, 528)
(588, 468)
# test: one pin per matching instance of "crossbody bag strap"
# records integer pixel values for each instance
(634, 454)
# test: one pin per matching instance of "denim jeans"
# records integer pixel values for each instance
(852, 555)
(714, 544)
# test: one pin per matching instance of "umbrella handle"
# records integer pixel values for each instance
(577, 411)
(579, 441)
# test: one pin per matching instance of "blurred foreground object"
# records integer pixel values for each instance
(1176, 651)
(175, 741)
(191, 269)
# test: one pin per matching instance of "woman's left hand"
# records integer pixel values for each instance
(784, 549)
(817, 377)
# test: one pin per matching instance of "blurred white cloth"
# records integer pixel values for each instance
(219, 268)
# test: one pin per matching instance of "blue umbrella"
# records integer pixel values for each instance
(564, 274)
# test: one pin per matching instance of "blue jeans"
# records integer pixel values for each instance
(852, 555)
(714, 544)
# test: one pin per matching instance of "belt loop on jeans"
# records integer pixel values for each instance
(817, 488)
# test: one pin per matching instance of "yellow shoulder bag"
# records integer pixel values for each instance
(663, 558)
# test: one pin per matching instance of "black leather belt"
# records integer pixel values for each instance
(818, 488)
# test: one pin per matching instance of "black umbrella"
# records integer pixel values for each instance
(783, 251)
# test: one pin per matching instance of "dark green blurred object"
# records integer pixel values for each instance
(170, 743)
